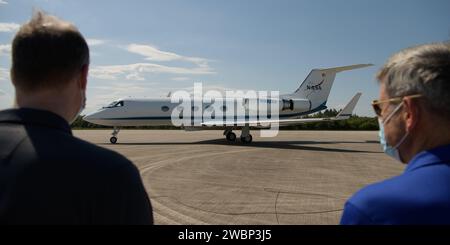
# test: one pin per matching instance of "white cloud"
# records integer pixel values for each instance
(153, 54)
(4, 74)
(213, 87)
(137, 71)
(95, 42)
(3, 2)
(5, 49)
(181, 79)
(131, 71)
(9, 27)
(120, 89)
(135, 76)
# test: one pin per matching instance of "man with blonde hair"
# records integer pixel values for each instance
(414, 118)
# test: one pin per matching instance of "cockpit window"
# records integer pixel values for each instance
(111, 105)
(115, 104)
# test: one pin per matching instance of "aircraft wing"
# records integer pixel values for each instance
(343, 115)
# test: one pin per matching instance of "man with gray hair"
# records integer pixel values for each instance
(47, 176)
(414, 118)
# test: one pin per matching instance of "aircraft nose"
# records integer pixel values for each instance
(91, 117)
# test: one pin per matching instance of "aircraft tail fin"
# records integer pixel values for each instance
(317, 85)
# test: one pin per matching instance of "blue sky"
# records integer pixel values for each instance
(149, 48)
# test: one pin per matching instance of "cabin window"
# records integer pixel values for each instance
(165, 108)
(209, 107)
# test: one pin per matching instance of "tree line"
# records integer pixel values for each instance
(353, 123)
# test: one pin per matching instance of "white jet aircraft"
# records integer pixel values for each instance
(310, 97)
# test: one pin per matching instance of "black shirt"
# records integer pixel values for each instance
(47, 176)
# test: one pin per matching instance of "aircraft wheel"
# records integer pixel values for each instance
(247, 139)
(113, 140)
(231, 136)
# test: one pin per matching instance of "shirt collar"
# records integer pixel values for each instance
(28, 116)
(438, 155)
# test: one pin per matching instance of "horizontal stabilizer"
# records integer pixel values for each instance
(348, 109)
(345, 68)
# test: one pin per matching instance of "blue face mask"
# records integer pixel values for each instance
(391, 151)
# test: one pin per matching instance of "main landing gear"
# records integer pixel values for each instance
(246, 137)
(115, 132)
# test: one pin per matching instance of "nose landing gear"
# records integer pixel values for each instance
(115, 132)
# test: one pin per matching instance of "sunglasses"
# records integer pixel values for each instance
(376, 104)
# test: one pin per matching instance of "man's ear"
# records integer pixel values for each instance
(84, 75)
(411, 113)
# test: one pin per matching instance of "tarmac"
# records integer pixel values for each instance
(298, 177)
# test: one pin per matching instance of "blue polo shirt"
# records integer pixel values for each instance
(421, 195)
